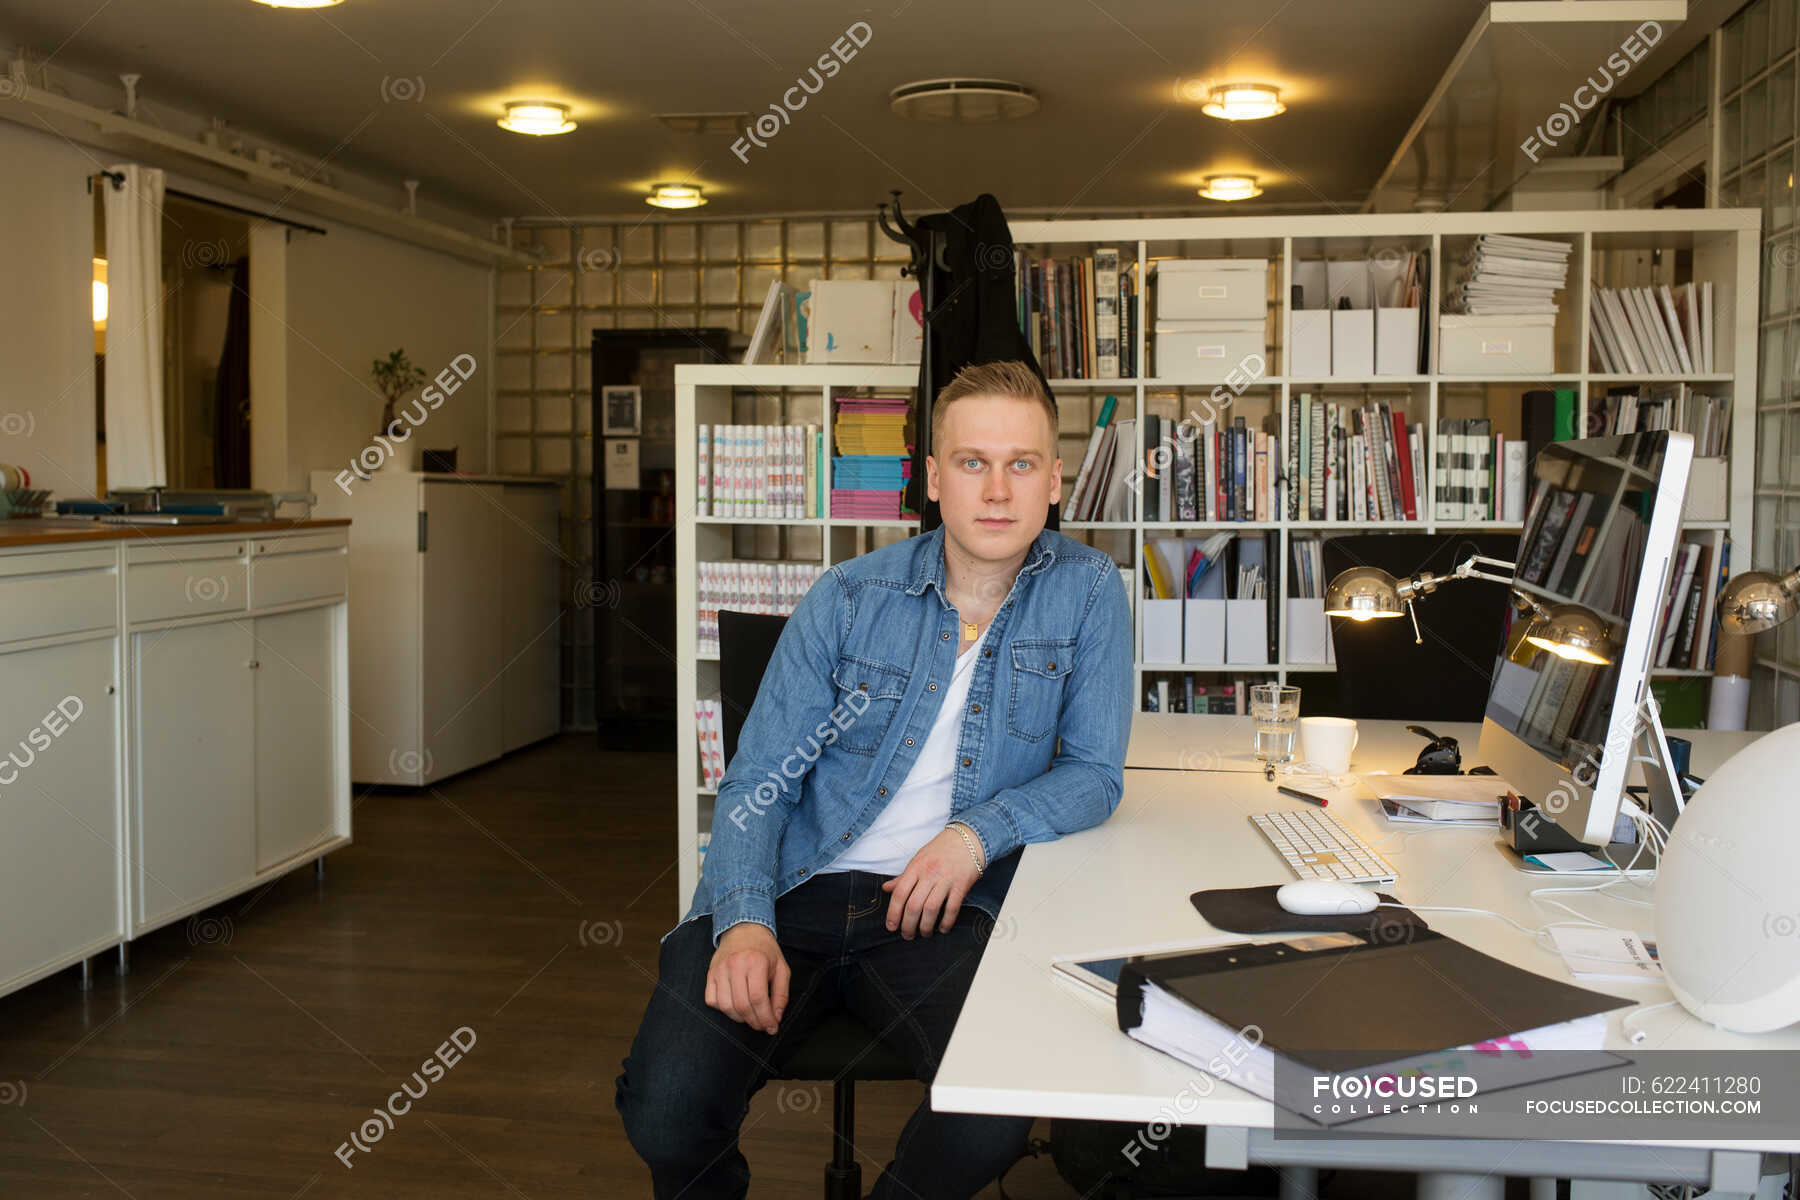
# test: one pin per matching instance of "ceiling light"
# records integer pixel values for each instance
(963, 101)
(536, 117)
(1230, 187)
(300, 3)
(675, 195)
(1243, 102)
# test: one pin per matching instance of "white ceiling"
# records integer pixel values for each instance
(1110, 132)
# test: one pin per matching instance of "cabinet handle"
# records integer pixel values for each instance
(112, 690)
(253, 664)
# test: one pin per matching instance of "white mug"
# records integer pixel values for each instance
(1327, 742)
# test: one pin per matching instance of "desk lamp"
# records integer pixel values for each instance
(1759, 600)
(1569, 631)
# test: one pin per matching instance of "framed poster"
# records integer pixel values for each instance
(621, 410)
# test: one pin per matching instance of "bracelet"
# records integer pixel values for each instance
(971, 842)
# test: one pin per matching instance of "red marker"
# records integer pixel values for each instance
(1306, 796)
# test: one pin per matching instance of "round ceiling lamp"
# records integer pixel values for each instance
(963, 101)
(539, 118)
(675, 195)
(1243, 102)
(1230, 187)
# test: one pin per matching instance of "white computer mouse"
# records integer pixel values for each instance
(1325, 897)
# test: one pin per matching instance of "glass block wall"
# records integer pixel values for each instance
(1757, 164)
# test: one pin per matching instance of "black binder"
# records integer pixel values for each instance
(1334, 1004)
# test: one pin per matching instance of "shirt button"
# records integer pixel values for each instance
(846, 837)
(945, 636)
(909, 741)
(863, 687)
(803, 870)
(881, 791)
(931, 687)
(1051, 667)
(987, 654)
(974, 708)
(967, 761)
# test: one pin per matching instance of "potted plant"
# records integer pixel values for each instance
(394, 377)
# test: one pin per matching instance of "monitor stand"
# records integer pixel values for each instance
(1661, 780)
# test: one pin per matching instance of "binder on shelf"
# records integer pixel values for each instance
(1247, 626)
(1162, 631)
(1308, 630)
(1310, 354)
(1396, 341)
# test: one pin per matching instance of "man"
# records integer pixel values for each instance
(931, 707)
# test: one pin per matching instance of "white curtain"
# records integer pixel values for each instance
(134, 328)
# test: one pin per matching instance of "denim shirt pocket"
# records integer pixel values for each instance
(869, 694)
(1039, 667)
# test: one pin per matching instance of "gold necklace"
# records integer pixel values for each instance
(971, 630)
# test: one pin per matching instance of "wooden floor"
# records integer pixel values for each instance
(522, 902)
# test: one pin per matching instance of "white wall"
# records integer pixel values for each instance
(351, 298)
(46, 317)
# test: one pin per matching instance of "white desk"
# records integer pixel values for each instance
(1029, 1043)
(1186, 742)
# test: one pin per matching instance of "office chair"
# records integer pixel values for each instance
(1381, 673)
(843, 1049)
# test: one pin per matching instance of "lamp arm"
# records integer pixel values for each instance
(1471, 569)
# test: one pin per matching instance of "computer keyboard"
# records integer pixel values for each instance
(1317, 846)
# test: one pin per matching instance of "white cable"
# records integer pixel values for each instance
(1635, 1036)
(1452, 908)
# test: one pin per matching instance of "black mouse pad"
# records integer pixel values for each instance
(1254, 910)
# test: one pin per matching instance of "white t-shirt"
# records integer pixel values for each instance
(921, 806)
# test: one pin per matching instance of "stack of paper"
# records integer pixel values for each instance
(1503, 273)
(1463, 799)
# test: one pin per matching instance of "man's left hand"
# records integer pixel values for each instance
(929, 893)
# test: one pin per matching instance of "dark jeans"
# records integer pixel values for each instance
(691, 1071)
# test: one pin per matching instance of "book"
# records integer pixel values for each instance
(1073, 503)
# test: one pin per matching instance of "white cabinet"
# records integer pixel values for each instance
(296, 682)
(455, 643)
(61, 823)
(195, 818)
(173, 727)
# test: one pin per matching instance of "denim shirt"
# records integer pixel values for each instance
(854, 686)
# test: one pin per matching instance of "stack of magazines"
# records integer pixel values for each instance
(1504, 273)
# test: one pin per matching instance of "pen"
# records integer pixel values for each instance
(1306, 796)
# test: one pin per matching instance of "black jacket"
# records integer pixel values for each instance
(974, 318)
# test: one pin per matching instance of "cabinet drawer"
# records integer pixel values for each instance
(288, 578)
(300, 543)
(44, 595)
(164, 583)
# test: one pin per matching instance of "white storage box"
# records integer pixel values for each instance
(1310, 355)
(1204, 631)
(1353, 342)
(1247, 632)
(1208, 351)
(1308, 631)
(1212, 289)
(1707, 490)
(1503, 344)
(1396, 341)
(1162, 631)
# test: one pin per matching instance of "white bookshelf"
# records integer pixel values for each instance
(1609, 248)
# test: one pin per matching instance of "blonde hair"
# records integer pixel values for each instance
(1015, 379)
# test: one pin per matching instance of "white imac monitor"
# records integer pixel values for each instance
(1601, 525)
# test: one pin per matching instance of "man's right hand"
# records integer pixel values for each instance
(748, 978)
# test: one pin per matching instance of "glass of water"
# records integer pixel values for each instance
(1275, 709)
